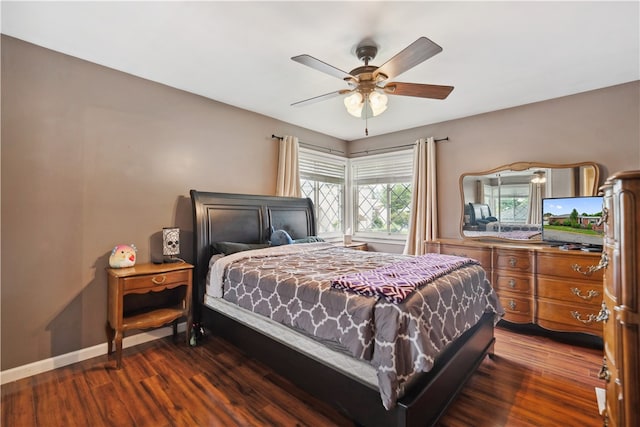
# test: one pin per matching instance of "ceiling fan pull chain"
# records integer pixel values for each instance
(365, 110)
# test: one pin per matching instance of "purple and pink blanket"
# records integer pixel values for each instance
(397, 281)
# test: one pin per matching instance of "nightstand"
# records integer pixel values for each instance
(359, 246)
(147, 296)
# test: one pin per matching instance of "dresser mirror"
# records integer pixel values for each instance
(505, 202)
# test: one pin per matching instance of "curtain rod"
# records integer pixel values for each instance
(305, 144)
(446, 138)
(331, 150)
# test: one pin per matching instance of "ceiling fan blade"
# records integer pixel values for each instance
(316, 64)
(417, 52)
(417, 89)
(321, 97)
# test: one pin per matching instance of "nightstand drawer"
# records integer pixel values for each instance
(158, 279)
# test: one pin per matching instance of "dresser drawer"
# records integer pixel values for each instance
(517, 309)
(570, 265)
(156, 280)
(574, 292)
(483, 256)
(565, 317)
(512, 282)
(521, 261)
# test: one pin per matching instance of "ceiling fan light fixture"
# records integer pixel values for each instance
(378, 102)
(354, 103)
(539, 177)
(375, 103)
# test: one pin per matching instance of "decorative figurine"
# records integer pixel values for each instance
(123, 256)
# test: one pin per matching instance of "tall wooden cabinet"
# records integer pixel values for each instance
(621, 306)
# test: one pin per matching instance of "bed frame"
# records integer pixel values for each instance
(249, 219)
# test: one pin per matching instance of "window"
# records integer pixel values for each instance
(382, 194)
(513, 203)
(322, 179)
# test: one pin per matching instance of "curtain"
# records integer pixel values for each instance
(536, 193)
(423, 222)
(288, 180)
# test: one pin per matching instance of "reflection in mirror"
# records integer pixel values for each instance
(506, 202)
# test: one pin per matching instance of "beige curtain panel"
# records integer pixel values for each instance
(423, 223)
(288, 180)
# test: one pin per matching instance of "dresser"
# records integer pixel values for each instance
(537, 284)
(621, 306)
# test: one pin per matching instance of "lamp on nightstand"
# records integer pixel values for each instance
(170, 243)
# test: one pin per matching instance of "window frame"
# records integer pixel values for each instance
(311, 156)
(400, 157)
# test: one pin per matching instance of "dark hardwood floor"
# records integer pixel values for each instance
(531, 381)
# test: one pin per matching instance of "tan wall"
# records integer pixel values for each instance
(91, 158)
(601, 126)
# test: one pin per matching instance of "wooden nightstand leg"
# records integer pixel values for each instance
(189, 330)
(110, 335)
(175, 330)
(118, 340)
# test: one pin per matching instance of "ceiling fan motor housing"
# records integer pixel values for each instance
(366, 52)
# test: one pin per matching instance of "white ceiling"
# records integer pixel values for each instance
(496, 54)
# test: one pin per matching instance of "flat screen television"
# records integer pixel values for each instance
(573, 222)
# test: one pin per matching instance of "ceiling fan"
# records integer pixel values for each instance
(369, 85)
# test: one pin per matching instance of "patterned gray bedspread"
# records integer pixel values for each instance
(292, 285)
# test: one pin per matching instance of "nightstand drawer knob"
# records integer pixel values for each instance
(159, 281)
(512, 283)
(512, 304)
(513, 261)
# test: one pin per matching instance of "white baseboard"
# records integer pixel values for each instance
(52, 363)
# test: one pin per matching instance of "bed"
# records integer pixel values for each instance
(341, 373)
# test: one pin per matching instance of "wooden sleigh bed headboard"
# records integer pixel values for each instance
(242, 218)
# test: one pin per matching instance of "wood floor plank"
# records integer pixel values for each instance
(532, 381)
(17, 404)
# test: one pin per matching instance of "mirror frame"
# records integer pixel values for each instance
(521, 166)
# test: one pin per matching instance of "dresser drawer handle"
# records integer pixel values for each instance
(512, 283)
(588, 297)
(604, 373)
(159, 281)
(604, 261)
(604, 217)
(513, 261)
(603, 315)
(512, 304)
(589, 320)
